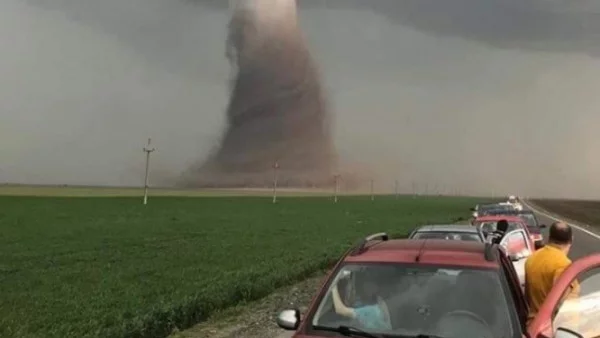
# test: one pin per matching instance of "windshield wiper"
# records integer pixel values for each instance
(428, 336)
(347, 331)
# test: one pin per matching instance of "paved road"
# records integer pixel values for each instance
(585, 243)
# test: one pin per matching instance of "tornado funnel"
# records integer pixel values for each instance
(277, 112)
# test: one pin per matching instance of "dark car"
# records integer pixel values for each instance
(490, 209)
(448, 232)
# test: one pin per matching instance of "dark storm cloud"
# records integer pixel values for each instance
(476, 96)
(551, 25)
(555, 25)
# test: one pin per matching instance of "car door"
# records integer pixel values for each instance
(517, 243)
(571, 316)
(518, 248)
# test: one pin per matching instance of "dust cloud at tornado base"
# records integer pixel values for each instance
(85, 83)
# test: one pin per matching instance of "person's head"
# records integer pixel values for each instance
(561, 235)
(502, 225)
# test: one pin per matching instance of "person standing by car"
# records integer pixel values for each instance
(545, 266)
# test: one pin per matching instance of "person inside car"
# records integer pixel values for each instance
(370, 310)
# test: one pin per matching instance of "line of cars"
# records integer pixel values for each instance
(444, 281)
(528, 217)
(522, 237)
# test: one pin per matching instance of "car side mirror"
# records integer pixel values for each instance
(289, 319)
(561, 332)
(543, 226)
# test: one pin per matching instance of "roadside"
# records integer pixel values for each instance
(586, 235)
(584, 214)
(256, 319)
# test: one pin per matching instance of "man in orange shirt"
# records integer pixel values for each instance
(545, 266)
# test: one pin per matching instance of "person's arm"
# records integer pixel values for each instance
(339, 306)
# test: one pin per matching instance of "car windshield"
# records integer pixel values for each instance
(457, 236)
(490, 207)
(496, 210)
(530, 219)
(407, 300)
(490, 226)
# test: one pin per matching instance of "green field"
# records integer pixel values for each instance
(110, 267)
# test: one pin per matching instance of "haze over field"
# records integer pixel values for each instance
(475, 95)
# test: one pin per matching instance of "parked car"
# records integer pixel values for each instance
(514, 202)
(514, 220)
(474, 233)
(430, 288)
(448, 232)
(486, 209)
(534, 227)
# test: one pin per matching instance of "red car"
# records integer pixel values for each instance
(429, 288)
(488, 224)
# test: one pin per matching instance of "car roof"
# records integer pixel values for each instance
(447, 228)
(426, 251)
(493, 206)
(513, 211)
(492, 218)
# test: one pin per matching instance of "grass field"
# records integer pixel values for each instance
(587, 212)
(75, 267)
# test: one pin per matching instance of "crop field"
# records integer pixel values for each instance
(109, 266)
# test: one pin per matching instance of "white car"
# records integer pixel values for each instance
(514, 201)
(518, 258)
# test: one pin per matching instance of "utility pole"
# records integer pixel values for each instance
(275, 171)
(335, 188)
(148, 150)
(372, 190)
(396, 188)
(414, 189)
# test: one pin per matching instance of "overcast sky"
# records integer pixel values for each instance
(475, 95)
